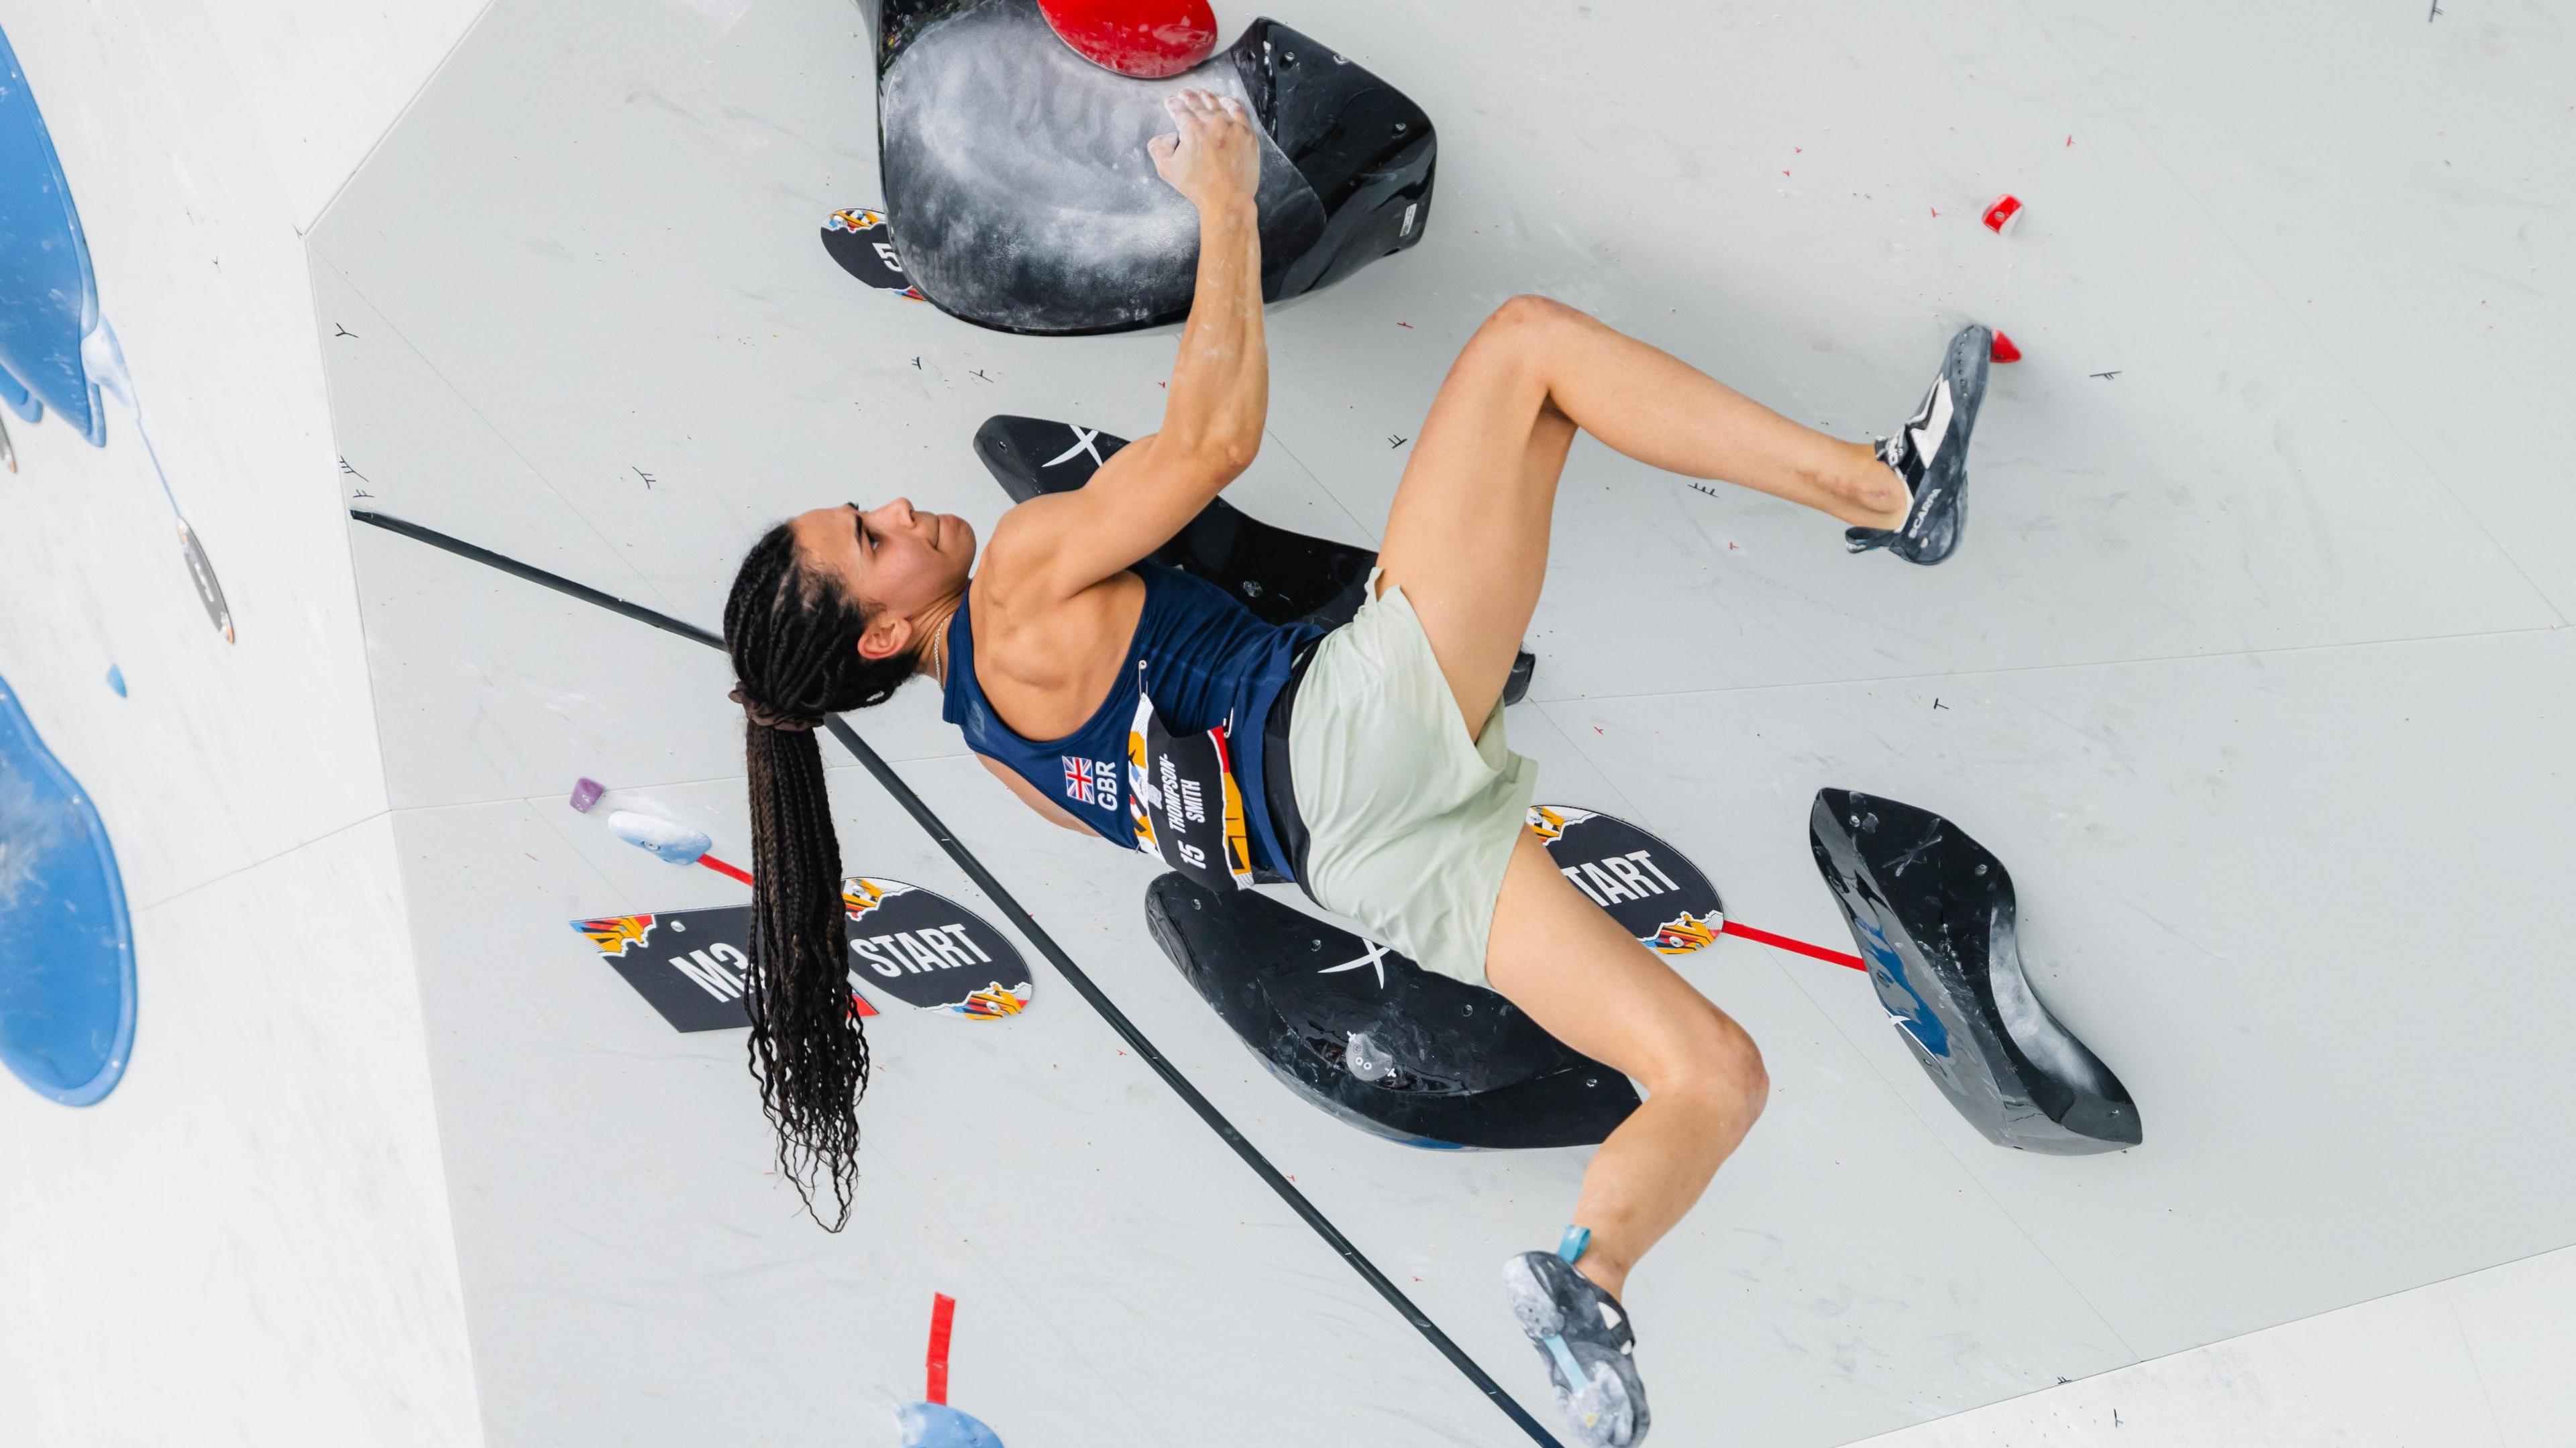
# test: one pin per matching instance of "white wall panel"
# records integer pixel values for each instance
(2474, 1361)
(248, 1242)
(324, 82)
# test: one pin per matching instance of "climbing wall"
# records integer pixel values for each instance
(2249, 667)
(244, 1238)
(2255, 666)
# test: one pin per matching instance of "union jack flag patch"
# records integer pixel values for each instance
(1091, 781)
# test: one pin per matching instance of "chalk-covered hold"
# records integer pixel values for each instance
(673, 842)
(585, 793)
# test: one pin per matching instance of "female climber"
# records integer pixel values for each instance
(1409, 806)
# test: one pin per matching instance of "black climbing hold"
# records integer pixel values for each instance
(1933, 913)
(1044, 215)
(1440, 1063)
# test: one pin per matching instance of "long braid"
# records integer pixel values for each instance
(794, 637)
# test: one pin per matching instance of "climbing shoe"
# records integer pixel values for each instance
(1583, 1334)
(1930, 453)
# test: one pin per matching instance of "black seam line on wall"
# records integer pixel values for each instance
(1028, 926)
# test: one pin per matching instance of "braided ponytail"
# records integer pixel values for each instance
(793, 633)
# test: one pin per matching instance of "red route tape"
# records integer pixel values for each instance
(721, 868)
(943, 1317)
(1795, 947)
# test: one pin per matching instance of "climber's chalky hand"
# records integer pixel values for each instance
(1212, 157)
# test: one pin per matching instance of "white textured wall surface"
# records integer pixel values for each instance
(247, 1242)
(323, 81)
(2476, 1362)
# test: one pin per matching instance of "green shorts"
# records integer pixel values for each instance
(1409, 822)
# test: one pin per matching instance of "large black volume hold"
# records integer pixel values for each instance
(1367, 1035)
(1021, 198)
(1934, 915)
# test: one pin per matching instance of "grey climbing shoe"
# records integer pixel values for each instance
(1931, 454)
(1583, 1334)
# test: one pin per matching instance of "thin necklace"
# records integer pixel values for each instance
(938, 654)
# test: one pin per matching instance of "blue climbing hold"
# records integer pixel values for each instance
(66, 946)
(937, 1425)
(48, 297)
(116, 680)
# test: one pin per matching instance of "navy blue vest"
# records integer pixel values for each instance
(1208, 664)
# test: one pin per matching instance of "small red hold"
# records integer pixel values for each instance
(1150, 39)
(2004, 350)
(1936, 210)
(2003, 214)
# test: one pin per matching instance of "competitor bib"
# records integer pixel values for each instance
(1183, 800)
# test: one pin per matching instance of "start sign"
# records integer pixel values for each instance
(930, 952)
(694, 966)
(689, 965)
(1649, 887)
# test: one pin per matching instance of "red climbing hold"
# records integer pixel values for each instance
(2004, 350)
(1150, 39)
(2001, 215)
